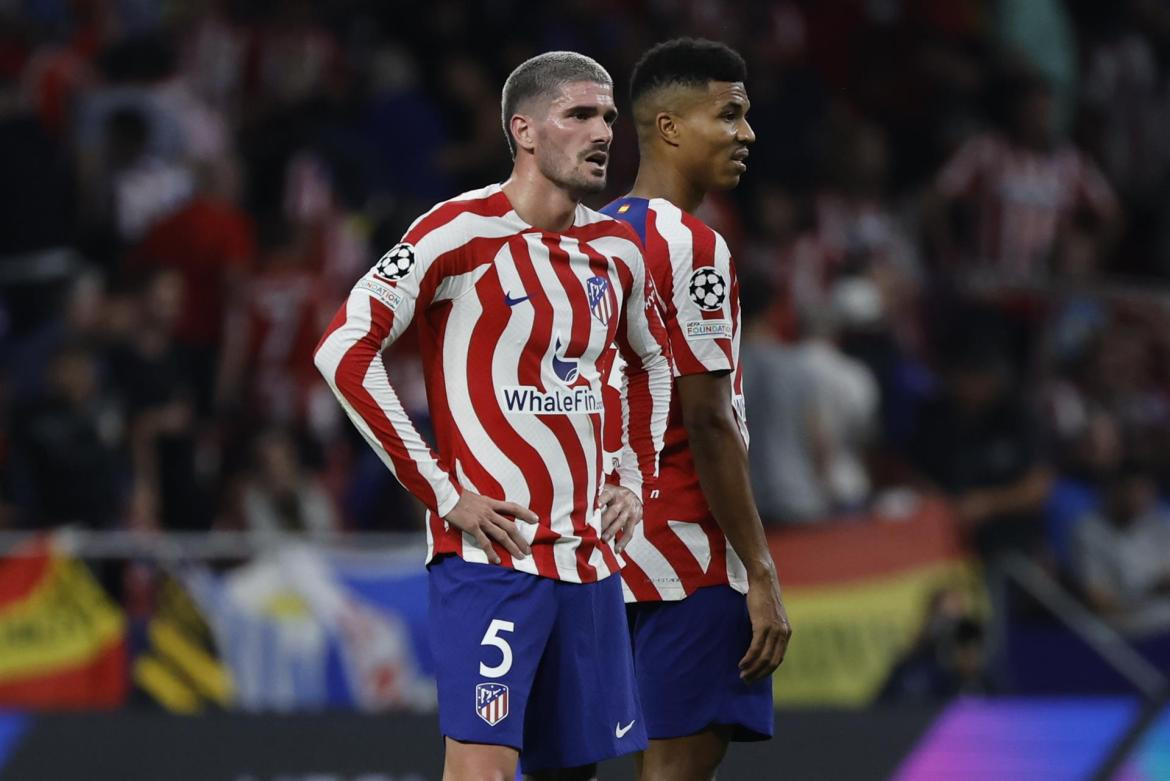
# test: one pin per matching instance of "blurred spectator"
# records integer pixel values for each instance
(844, 405)
(974, 441)
(1077, 491)
(79, 318)
(210, 242)
(780, 415)
(1121, 556)
(279, 495)
(1022, 186)
(268, 360)
(949, 658)
(154, 376)
(140, 186)
(65, 462)
(811, 411)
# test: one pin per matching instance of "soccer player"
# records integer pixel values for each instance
(518, 291)
(706, 619)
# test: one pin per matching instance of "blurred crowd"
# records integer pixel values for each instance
(953, 244)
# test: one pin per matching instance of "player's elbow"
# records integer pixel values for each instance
(326, 362)
(708, 419)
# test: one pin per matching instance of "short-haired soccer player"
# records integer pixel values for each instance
(518, 291)
(706, 617)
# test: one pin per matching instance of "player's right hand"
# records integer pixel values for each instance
(771, 630)
(484, 519)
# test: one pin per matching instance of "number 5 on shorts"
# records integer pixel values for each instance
(492, 637)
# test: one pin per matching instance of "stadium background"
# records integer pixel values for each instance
(958, 432)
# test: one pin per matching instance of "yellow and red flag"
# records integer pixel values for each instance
(62, 639)
(856, 592)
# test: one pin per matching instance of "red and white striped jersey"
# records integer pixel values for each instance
(1022, 199)
(513, 325)
(679, 546)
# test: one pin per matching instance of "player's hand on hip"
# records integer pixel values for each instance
(488, 519)
(770, 628)
(623, 511)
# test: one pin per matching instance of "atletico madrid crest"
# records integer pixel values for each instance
(491, 702)
(600, 301)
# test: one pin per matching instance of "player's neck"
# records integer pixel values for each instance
(539, 202)
(658, 180)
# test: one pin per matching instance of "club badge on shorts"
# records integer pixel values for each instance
(491, 702)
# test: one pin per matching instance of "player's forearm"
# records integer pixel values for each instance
(722, 465)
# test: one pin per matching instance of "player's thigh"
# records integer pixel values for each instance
(479, 762)
(690, 758)
(686, 657)
(489, 627)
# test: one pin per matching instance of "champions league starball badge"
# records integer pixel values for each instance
(708, 288)
(396, 263)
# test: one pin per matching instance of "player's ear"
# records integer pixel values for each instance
(667, 127)
(523, 132)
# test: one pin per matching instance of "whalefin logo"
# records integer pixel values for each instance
(576, 397)
(565, 370)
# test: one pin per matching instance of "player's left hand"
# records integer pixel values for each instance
(770, 628)
(623, 511)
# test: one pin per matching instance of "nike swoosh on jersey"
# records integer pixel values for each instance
(620, 731)
(513, 301)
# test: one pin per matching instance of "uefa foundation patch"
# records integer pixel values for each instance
(491, 702)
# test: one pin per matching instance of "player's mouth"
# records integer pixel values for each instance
(597, 160)
(739, 157)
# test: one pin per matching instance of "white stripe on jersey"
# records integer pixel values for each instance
(693, 536)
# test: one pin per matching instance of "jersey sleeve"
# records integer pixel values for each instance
(700, 317)
(643, 347)
(379, 308)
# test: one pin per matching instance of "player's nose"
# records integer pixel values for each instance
(745, 135)
(602, 131)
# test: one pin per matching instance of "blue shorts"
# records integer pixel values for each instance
(540, 665)
(686, 657)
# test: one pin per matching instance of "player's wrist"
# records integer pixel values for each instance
(761, 570)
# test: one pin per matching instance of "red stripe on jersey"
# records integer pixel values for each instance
(562, 426)
(430, 337)
(350, 379)
(737, 381)
(481, 385)
(639, 582)
(603, 228)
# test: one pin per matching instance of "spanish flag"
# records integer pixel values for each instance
(856, 592)
(62, 640)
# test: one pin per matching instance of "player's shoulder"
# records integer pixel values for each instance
(597, 223)
(682, 230)
(461, 214)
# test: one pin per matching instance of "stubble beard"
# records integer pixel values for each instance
(570, 177)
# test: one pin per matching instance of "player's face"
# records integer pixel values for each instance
(572, 141)
(717, 135)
